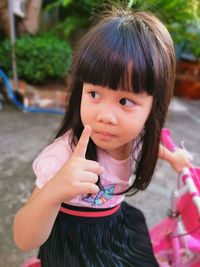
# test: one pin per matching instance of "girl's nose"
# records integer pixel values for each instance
(107, 116)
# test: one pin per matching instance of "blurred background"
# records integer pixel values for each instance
(37, 39)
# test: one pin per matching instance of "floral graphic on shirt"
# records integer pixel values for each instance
(103, 195)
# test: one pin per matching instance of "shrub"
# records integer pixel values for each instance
(182, 18)
(73, 15)
(39, 58)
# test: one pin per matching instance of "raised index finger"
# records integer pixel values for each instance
(81, 147)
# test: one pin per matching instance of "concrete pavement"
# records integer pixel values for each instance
(23, 135)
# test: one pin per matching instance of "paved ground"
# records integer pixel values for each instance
(23, 135)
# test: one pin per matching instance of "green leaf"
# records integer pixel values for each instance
(39, 58)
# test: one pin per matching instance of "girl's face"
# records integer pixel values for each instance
(116, 117)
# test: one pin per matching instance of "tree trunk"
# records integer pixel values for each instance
(30, 24)
(4, 18)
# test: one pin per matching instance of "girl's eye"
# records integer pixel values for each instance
(94, 95)
(126, 102)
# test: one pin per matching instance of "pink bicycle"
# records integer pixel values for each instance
(176, 239)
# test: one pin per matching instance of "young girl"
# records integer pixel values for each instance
(108, 145)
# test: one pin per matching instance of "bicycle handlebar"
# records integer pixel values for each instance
(186, 175)
(166, 139)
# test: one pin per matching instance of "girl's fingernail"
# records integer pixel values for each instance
(95, 188)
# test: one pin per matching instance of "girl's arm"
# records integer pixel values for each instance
(178, 159)
(34, 221)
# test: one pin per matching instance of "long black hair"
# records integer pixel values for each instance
(121, 39)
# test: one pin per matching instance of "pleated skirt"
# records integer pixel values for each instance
(117, 240)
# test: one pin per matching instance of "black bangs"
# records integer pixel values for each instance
(110, 56)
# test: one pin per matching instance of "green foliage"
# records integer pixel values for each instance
(39, 58)
(73, 15)
(66, 27)
(5, 55)
(182, 17)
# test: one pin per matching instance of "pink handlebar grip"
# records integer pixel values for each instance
(166, 139)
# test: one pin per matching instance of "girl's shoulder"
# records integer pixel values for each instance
(51, 159)
(60, 144)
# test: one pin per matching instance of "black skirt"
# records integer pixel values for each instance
(117, 240)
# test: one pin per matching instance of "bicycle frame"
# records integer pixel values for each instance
(176, 239)
(171, 246)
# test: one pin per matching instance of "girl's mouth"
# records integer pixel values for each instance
(104, 135)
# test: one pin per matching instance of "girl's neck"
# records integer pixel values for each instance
(121, 153)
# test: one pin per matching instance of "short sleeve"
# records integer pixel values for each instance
(50, 160)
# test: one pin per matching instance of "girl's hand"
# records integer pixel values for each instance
(78, 175)
(180, 159)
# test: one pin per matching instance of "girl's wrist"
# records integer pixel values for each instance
(51, 195)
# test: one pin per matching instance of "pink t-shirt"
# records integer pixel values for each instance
(116, 178)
